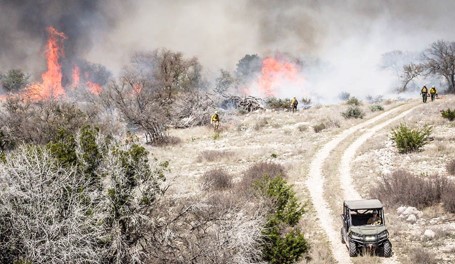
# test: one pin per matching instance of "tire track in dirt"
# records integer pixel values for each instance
(315, 183)
(350, 193)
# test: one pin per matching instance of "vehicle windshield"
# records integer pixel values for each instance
(366, 217)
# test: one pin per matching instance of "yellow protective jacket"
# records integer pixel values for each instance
(215, 118)
(294, 102)
(433, 90)
(424, 90)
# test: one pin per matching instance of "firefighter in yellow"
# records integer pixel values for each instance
(424, 93)
(215, 120)
(433, 93)
(294, 104)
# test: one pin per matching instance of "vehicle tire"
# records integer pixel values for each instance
(352, 249)
(387, 249)
(342, 237)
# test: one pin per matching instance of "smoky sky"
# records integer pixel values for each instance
(347, 34)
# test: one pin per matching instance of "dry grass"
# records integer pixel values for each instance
(450, 167)
(216, 180)
(420, 255)
(214, 155)
(367, 259)
(448, 197)
(302, 128)
(260, 170)
(261, 123)
(319, 127)
(404, 188)
(167, 141)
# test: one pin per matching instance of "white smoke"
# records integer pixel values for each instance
(348, 37)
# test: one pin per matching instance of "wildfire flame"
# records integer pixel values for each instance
(76, 77)
(51, 87)
(275, 73)
(94, 88)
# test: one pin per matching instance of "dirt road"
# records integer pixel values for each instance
(327, 216)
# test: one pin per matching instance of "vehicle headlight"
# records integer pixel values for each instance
(370, 238)
(356, 236)
(383, 234)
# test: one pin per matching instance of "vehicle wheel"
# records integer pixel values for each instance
(342, 237)
(387, 249)
(352, 249)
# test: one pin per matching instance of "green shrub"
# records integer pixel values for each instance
(78, 149)
(63, 148)
(449, 114)
(14, 80)
(375, 108)
(353, 112)
(408, 140)
(278, 103)
(353, 101)
(283, 242)
(284, 248)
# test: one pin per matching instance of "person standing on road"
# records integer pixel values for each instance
(424, 93)
(433, 93)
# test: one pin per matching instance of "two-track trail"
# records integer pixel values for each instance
(315, 182)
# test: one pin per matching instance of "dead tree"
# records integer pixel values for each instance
(136, 100)
(410, 72)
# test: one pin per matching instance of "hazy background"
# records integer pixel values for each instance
(347, 38)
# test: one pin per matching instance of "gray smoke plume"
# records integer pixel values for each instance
(348, 37)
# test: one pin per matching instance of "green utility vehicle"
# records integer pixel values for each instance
(364, 228)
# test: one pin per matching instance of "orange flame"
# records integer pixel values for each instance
(94, 88)
(76, 77)
(51, 87)
(275, 72)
